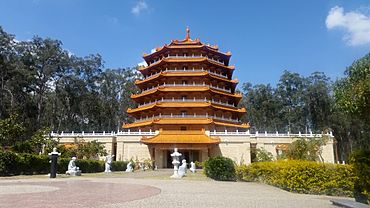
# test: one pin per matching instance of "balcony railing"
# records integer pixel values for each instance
(211, 133)
(187, 116)
(188, 57)
(187, 70)
(188, 101)
(187, 85)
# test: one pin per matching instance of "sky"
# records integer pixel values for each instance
(264, 37)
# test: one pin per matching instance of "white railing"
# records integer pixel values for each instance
(265, 134)
(212, 133)
(186, 70)
(188, 57)
(92, 134)
(186, 116)
(186, 100)
(187, 85)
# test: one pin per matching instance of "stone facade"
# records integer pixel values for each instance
(234, 145)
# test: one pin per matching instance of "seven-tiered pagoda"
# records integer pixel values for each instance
(187, 91)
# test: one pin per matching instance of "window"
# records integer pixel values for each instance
(183, 128)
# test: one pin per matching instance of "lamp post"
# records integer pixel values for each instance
(54, 162)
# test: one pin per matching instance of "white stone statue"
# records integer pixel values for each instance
(108, 163)
(175, 161)
(192, 167)
(129, 167)
(182, 168)
(73, 170)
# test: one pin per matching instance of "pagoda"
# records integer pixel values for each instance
(186, 93)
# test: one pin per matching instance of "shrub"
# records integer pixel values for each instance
(301, 176)
(199, 165)
(220, 168)
(119, 165)
(263, 155)
(14, 164)
(9, 163)
(90, 166)
(34, 164)
(361, 163)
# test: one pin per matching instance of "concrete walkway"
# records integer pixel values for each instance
(146, 189)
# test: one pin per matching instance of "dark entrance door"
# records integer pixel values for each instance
(188, 155)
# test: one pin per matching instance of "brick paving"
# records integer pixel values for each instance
(147, 189)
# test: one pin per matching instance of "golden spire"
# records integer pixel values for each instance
(187, 33)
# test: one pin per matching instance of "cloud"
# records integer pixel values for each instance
(143, 63)
(355, 23)
(139, 7)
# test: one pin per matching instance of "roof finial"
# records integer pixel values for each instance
(187, 33)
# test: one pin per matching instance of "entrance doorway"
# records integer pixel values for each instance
(188, 155)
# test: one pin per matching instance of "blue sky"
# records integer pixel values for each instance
(265, 37)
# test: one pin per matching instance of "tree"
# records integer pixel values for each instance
(262, 155)
(352, 93)
(352, 98)
(306, 149)
(7, 66)
(11, 131)
(318, 101)
(90, 150)
(290, 92)
(45, 61)
(262, 107)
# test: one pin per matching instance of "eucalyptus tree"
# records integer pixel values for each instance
(290, 92)
(8, 67)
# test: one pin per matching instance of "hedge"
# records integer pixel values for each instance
(119, 165)
(23, 163)
(361, 163)
(302, 176)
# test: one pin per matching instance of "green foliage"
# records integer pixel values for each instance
(85, 150)
(90, 150)
(302, 176)
(220, 168)
(199, 165)
(119, 165)
(23, 163)
(263, 155)
(23, 147)
(11, 130)
(306, 149)
(352, 93)
(9, 163)
(361, 163)
(90, 166)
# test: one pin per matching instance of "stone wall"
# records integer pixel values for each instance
(235, 145)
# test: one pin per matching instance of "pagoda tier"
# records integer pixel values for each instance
(187, 86)
(171, 76)
(179, 62)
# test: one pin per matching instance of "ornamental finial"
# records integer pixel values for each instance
(187, 33)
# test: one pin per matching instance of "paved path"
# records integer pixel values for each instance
(149, 189)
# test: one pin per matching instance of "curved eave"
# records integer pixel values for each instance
(180, 137)
(186, 89)
(166, 121)
(234, 82)
(244, 125)
(182, 121)
(163, 49)
(183, 60)
(185, 105)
